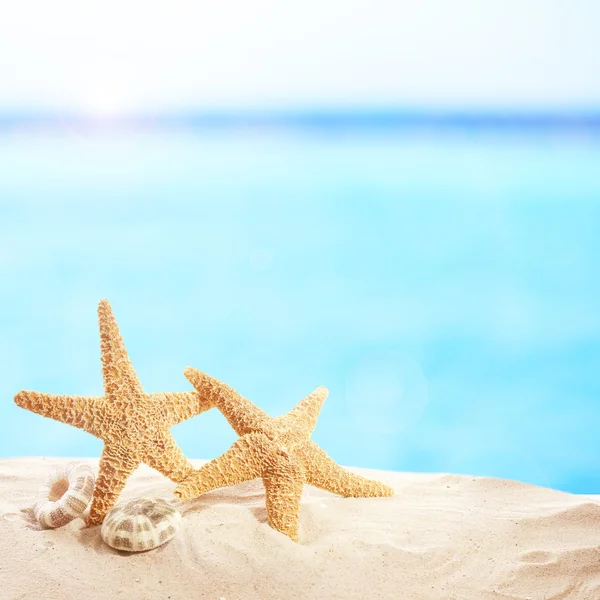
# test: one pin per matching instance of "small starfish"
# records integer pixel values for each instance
(277, 449)
(133, 425)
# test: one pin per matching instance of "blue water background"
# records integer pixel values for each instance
(444, 288)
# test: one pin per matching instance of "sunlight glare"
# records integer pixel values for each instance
(106, 101)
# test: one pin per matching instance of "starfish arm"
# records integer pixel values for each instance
(303, 417)
(180, 406)
(167, 458)
(323, 472)
(119, 376)
(241, 414)
(116, 465)
(242, 462)
(84, 412)
(283, 481)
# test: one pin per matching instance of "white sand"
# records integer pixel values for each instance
(442, 537)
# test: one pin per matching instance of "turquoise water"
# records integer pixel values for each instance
(445, 289)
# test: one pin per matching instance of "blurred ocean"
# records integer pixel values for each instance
(444, 288)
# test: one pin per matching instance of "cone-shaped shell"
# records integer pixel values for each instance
(140, 524)
(65, 495)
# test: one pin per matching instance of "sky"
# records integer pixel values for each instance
(120, 57)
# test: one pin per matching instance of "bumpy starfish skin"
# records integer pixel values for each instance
(278, 450)
(133, 425)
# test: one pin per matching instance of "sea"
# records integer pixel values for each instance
(443, 284)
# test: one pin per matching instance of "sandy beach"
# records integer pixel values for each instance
(442, 537)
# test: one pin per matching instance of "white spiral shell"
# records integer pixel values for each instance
(140, 524)
(65, 495)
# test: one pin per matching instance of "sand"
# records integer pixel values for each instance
(442, 537)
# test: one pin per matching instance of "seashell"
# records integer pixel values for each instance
(140, 524)
(65, 495)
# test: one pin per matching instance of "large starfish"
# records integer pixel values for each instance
(277, 449)
(133, 425)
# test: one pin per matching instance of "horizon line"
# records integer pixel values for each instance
(312, 118)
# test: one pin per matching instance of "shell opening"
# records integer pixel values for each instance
(58, 489)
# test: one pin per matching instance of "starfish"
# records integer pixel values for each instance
(133, 425)
(277, 449)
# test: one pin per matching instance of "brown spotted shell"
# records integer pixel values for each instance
(140, 524)
(65, 495)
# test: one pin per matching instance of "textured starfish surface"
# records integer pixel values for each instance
(277, 449)
(133, 425)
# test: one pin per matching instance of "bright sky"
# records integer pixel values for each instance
(127, 55)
